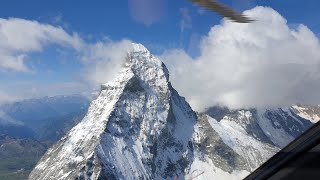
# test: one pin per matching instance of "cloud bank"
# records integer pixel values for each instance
(18, 37)
(263, 64)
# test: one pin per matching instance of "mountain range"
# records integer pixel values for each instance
(139, 127)
(29, 127)
(46, 118)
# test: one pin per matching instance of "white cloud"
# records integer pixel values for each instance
(262, 64)
(147, 11)
(103, 60)
(13, 62)
(19, 37)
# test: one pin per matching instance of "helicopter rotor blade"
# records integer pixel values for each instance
(223, 10)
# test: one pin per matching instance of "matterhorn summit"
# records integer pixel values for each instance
(140, 128)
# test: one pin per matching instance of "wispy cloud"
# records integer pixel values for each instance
(6, 98)
(147, 12)
(7, 120)
(185, 23)
(186, 20)
(262, 64)
(103, 60)
(57, 18)
(24, 89)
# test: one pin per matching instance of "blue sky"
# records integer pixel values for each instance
(99, 18)
(166, 25)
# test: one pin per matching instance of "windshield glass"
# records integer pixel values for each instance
(154, 89)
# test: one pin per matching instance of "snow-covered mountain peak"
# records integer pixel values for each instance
(138, 124)
(137, 47)
(141, 63)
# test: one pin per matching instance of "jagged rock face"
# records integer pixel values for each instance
(273, 126)
(282, 125)
(311, 113)
(139, 127)
(227, 147)
(210, 145)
